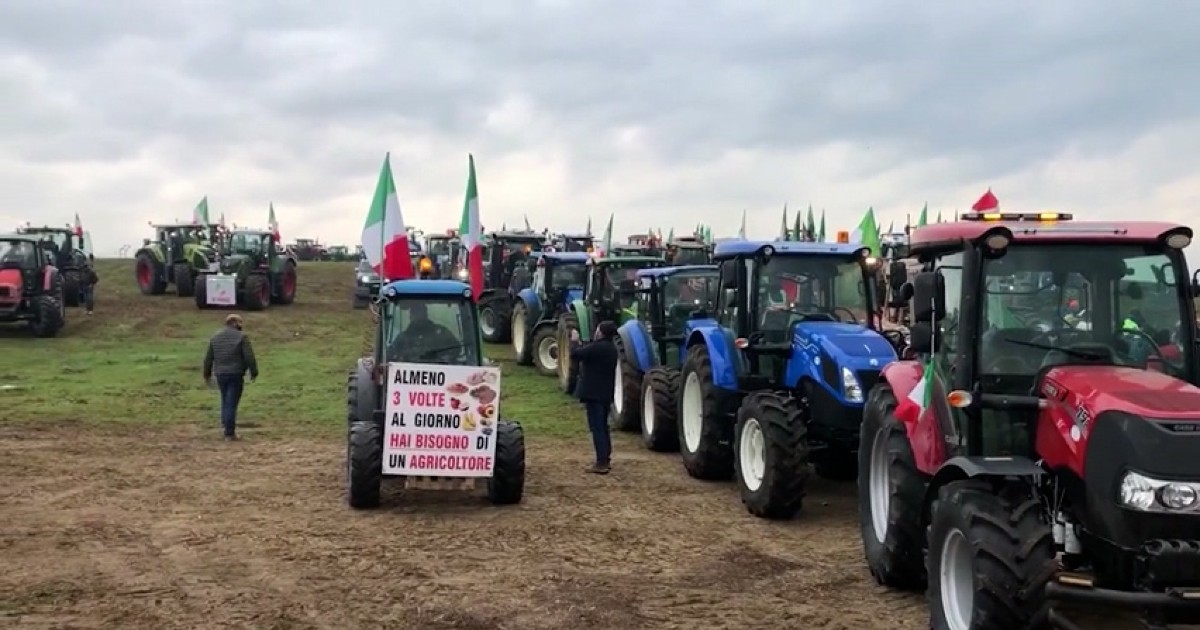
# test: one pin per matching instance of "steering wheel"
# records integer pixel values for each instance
(1145, 336)
(834, 310)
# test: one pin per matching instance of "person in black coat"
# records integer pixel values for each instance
(597, 369)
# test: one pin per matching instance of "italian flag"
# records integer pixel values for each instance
(470, 231)
(910, 409)
(384, 239)
(200, 212)
(78, 226)
(271, 220)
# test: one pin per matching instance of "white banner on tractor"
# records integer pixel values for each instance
(220, 290)
(441, 420)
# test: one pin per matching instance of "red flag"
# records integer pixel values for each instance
(78, 226)
(987, 203)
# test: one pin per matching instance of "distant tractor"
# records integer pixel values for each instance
(610, 293)
(778, 379)
(443, 251)
(425, 407)
(309, 250)
(69, 254)
(178, 253)
(260, 272)
(557, 283)
(31, 287)
(572, 243)
(688, 250)
(339, 253)
(1044, 444)
(507, 268)
(651, 347)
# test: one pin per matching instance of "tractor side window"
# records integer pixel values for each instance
(1147, 301)
(950, 267)
(539, 281)
(645, 289)
(431, 331)
(566, 276)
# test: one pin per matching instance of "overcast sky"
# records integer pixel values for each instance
(663, 112)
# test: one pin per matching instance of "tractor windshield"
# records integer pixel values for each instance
(577, 244)
(1069, 303)
(247, 244)
(19, 254)
(439, 247)
(431, 330)
(568, 275)
(811, 288)
(690, 256)
(685, 293)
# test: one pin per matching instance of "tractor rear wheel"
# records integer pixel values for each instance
(990, 555)
(149, 275)
(627, 391)
(200, 291)
(546, 352)
(507, 483)
(71, 282)
(286, 282)
(706, 444)
(771, 455)
(660, 400)
(185, 280)
(891, 493)
(257, 293)
(568, 370)
(494, 325)
(48, 316)
(520, 334)
(364, 463)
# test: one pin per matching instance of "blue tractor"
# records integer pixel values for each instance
(651, 347)
(777, 380)
(426, 323)
(558, 280)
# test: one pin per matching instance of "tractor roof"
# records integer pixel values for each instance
(428, 288)
(1030, 228)
(253, 232)
(26, 238)
(577, 236)
(685, 244)
(626, 261)
(665, 272)
(511, 235)
(729, 249)
(158, 226)
(569, 257)
(45, 229)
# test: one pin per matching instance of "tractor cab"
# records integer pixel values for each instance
(669, 297)
(1054, 396)
(443, 250)
(255, 246)
(31, 288)
(610, 292)
(688, 251)
(433, 324)
(585, 243)
(558, 281)
(63, 244)
(263, 272)
(506, 252)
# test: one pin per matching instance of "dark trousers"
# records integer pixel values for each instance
(87, 293)
(597, 419)
(230, 386)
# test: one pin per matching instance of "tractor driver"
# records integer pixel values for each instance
(423, 339)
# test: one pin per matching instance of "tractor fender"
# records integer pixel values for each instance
(964, 467)
(154, 250)
(638, 345)
(48, 277)
(533, 305)
(726, 361)
(366, 400)
(583, 316)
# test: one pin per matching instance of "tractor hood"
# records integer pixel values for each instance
(845, 340)
(1144, 393)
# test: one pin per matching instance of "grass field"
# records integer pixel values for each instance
(122, 508)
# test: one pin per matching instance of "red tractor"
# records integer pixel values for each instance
(1044, 444)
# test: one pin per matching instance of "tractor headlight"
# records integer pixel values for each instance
(1146, 494)
(364, 279)
(462, 274)
(850, 386)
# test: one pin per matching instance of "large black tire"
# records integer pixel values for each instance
(895, 558)
(1011, 550)
(48, 311)
(285, 292)
(494, 323)
(627, 395)
(507, 483)
(660, 400)
(364, 464)
(779, 424)
(257, 294)
(710, 456)
(200, 291)
(185, 280)
(568, 370)
(71, 282)
(149, 275)
(522, 348)
(545, 348)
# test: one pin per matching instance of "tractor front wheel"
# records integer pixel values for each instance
(185, 280)
(660, 400)
(257, 294)
(286, 282)
(546, 352)
(568, 370)
(364, 463)
(520, 334)
(494, 325)
(200, 291)
(71, 284)
(771, 447)
(990, 555)
(149, 277)
(627, 391)
(507, 483)
(706, 447)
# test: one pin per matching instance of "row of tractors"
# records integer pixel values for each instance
(42, 272)
(187, 256)
(1032, 435)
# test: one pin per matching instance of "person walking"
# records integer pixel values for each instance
(230, 356)
(597, 368)
(87, 288)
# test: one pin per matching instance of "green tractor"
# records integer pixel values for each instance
(178, 254)
(339, 253)
(253, 272)
(610, 293)
(66, 247)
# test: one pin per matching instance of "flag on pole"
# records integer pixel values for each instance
(810, 226)
(798, 227)
(867, 233)
(939, 219)
(608, 236)
(821, 230)
(924, 218)
(78, 226)
(987, 203)
(742, 230)
(589, 227)
(274, 223)
(528, 228)
(470, 232)
(200, 212)
(384, 239)
(783, 226)
(909, 409)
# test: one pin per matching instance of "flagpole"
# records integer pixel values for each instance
(383, 232)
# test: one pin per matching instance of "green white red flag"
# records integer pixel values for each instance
(384, 239)
(271, 220)
(470, 232)
(200, 212)
(78, 226)
(909, 409)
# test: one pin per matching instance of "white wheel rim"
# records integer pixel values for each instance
(879, 485)
(648, 411)
(956, 581)
(692, 412)
(752, 454)
(487, 322)
(618, 392)
(518, 332)
(547, 353)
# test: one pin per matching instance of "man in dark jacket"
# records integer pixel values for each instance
(597, 368)
(229, 357)
(87, 288)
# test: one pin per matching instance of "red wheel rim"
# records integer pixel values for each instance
(264, 293)
(143, 274)
(289, 282)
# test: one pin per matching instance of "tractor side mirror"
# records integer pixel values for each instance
(1196, 284)
(929, 297)
(921, 338)
(906, 293)
(145, 241)
(729, 275)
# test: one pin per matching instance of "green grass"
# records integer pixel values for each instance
(139, 359)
